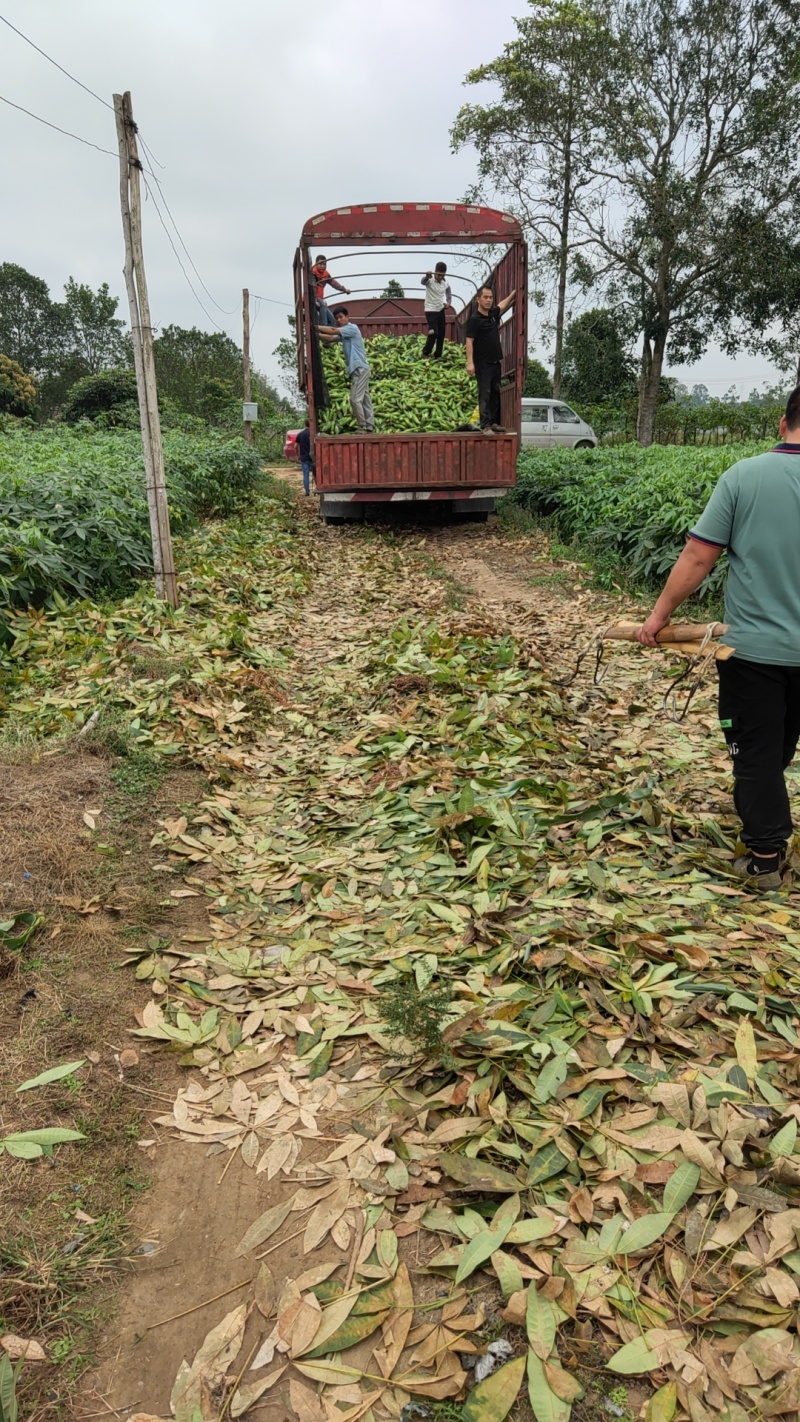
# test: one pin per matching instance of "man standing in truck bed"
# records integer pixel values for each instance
(356, 365)
(485, 355)
(437, 296)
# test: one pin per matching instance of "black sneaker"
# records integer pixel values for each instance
(499, 429)
(762, 873)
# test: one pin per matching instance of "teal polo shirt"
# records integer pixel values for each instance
(754, 512)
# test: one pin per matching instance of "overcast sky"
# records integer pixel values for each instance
(261, 114)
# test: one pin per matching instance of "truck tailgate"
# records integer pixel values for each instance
(415, 461)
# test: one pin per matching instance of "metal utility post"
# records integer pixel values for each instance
(248, 428)
(142, 333)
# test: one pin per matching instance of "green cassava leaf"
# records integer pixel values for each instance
(681, 1186)
(644, 1232)
(53, 1074)
(634, 1357)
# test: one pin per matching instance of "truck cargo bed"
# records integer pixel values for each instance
(460, 462)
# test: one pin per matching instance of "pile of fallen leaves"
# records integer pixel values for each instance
(602, 1139)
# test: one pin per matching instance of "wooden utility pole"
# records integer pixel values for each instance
(142, 333)
(248, 428)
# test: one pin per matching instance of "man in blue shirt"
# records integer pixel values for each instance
(356, 365)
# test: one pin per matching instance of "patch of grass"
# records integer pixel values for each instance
(419, 1017)
(556, 579)
(46, 1283)
(139, 775)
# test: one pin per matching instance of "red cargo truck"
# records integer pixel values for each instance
(465, 472)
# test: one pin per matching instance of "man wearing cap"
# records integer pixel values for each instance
(437, 296)
(322, 277)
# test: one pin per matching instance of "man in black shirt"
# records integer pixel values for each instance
(485, 355)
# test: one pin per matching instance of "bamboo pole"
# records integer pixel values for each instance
(675, 631)
(142, 334)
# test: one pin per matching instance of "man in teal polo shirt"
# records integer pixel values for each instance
(754, 513)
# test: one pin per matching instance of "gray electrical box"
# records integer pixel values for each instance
(250, 412)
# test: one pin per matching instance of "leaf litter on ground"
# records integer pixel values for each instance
(606, 1123)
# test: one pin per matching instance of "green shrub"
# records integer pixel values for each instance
(109, 393)
(629, 506)
(73, 505)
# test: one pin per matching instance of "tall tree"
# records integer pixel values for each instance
(764, 314)
(197, 369)
(597, 362)
(30, 327)
(697, 106)
(535, 142)
(538, 385)
(393, 288)
(94, 334)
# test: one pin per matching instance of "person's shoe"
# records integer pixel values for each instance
(487, 429)
(763, 873)
(499, 429)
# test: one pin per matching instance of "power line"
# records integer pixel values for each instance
(151, 155)
(272, 301)
(223, 309)
(65, 131)
(57, 65)
(178, 257)
(79, 82)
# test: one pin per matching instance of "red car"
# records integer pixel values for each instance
(290, 447)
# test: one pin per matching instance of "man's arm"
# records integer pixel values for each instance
(470, 361)
(507, 301)
(448, 296)
(338, 285)
(693, 565)
(328, 333)
(426, 278)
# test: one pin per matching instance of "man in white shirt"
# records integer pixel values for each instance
(437, 296)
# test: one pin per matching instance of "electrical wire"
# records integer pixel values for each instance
(214, 302)
(151, 155)
(57, 65)
(151, 195)
(79, 82)
(272, 300)
(65, 131)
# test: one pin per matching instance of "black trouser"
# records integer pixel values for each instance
(488, 377)
(759, 711)
(435, 320)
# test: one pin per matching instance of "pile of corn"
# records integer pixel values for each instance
(410, 395)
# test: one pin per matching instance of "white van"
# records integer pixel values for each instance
(550, 424)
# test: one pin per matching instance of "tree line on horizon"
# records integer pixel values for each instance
(78, 352)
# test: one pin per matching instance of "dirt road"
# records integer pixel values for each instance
(420, 805)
